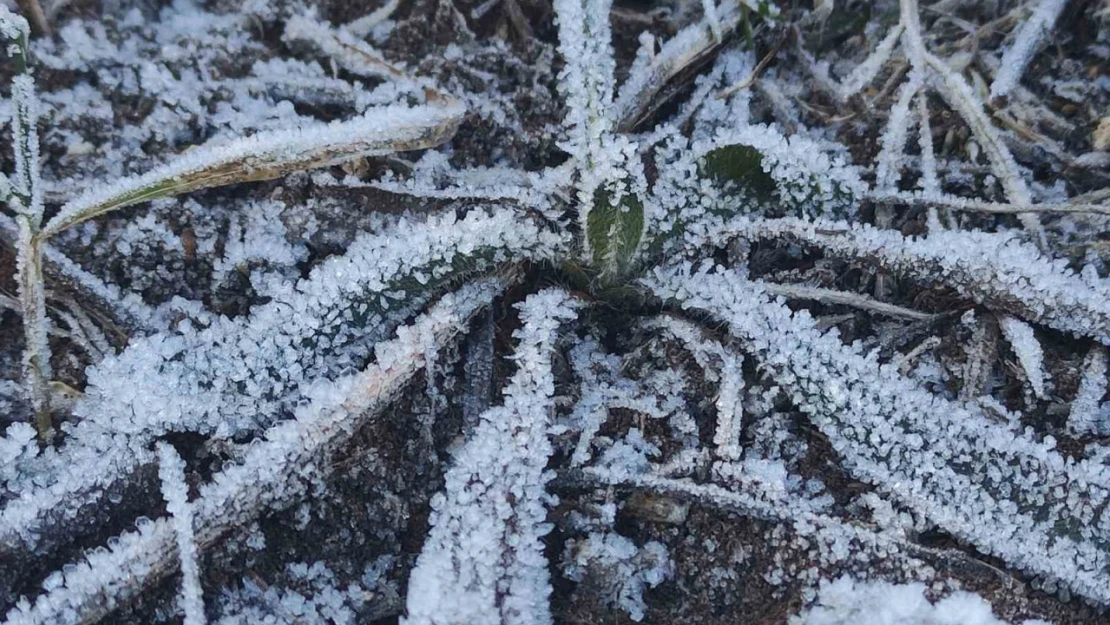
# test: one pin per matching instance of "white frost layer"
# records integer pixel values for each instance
(1017, 57)
(271, 476)
(846, 601)
(1010, 494)
(997, 270)
(483, 562)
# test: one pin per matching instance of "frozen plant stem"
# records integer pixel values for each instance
(175, 490)
(24, 197)
(959, 95)
(1017, 57)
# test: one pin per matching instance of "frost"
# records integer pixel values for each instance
(1028, 350)
(171, 471)
(693, 393)
(907, 441)
(1087, 414)
(627, 569)
(1020, 52)
(270, 475)
(846, 601)
(483, 559)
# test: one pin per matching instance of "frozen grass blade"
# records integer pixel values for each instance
(175, 490)
(269, 155)
(24, 197)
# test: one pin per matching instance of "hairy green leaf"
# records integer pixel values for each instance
(613, 232)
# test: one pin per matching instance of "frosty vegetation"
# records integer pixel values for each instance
(518, 312)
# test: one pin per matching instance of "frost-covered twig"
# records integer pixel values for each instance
(959, 95)
(268, 478)
(1020, 52)
(1011, 495)
(483, 563)
(996, 270)
(605, 387)
(930, 185)
(757, 498)
(728, 374)
(956, 203)
(175, 490)
(842, 298)
(866, 71)
(125, 308)
(679, 52)
(343, 45)
(888, 165)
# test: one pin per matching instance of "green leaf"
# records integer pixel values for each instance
(614, 232)
(743, 165)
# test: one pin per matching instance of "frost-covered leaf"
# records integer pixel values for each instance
(482, 563)
(1011, 495)
(269, 155)
(614, 231)
(743, 165)
(239, 375)
(1028, 349)
(997, 270)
